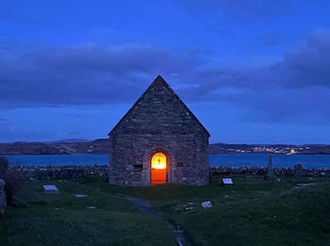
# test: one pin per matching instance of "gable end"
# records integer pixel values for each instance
(160, 81)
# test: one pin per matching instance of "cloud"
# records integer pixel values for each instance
(304, 67)
(294, 89)
(84, 74)
(308, 65)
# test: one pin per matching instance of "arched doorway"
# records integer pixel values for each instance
(158, 168)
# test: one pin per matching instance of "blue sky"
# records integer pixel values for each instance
(251, 71)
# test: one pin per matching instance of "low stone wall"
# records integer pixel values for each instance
(67, 172)
(61, 172)
(279, 171)
(3, 201)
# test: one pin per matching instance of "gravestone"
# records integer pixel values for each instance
(52, 189)
(298, 170)
(227, 181)
(206, 204)
(80, 195)
(269, 171)
(3, 201)
(190, 205)
(327, 173)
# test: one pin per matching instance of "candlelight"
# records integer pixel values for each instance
(158, 161)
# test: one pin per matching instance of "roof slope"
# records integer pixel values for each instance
(159, 81)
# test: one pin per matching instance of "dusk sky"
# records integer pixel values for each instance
(251, 71)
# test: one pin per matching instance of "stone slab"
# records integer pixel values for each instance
(227, 181)
(50, 189)
(206, 204)
(80, 195)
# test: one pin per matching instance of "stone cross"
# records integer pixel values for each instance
(298, 170)
(269, 171)
(3, 201)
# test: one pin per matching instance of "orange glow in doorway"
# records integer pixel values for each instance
(158, 161)
(158, 169)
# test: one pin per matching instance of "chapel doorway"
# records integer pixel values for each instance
(158, 168)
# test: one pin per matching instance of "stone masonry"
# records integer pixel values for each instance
(159, 122)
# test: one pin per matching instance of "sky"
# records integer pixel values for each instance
(252, 71)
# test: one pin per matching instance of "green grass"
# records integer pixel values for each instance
(251, 212)
(62, 219)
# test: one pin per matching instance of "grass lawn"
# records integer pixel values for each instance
(251, 212)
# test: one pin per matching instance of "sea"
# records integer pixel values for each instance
(215, 160)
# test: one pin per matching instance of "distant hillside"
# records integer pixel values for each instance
(70, 140)
(101, 146)
(223, 148)
(98, 146)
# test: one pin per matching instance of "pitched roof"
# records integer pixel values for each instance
(159, 81)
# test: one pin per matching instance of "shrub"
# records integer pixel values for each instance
(12, 180)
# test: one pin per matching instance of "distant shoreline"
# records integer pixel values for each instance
(215, 160)
(102, 146)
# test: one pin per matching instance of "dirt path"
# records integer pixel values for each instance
(149, 211)
(145, 207)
